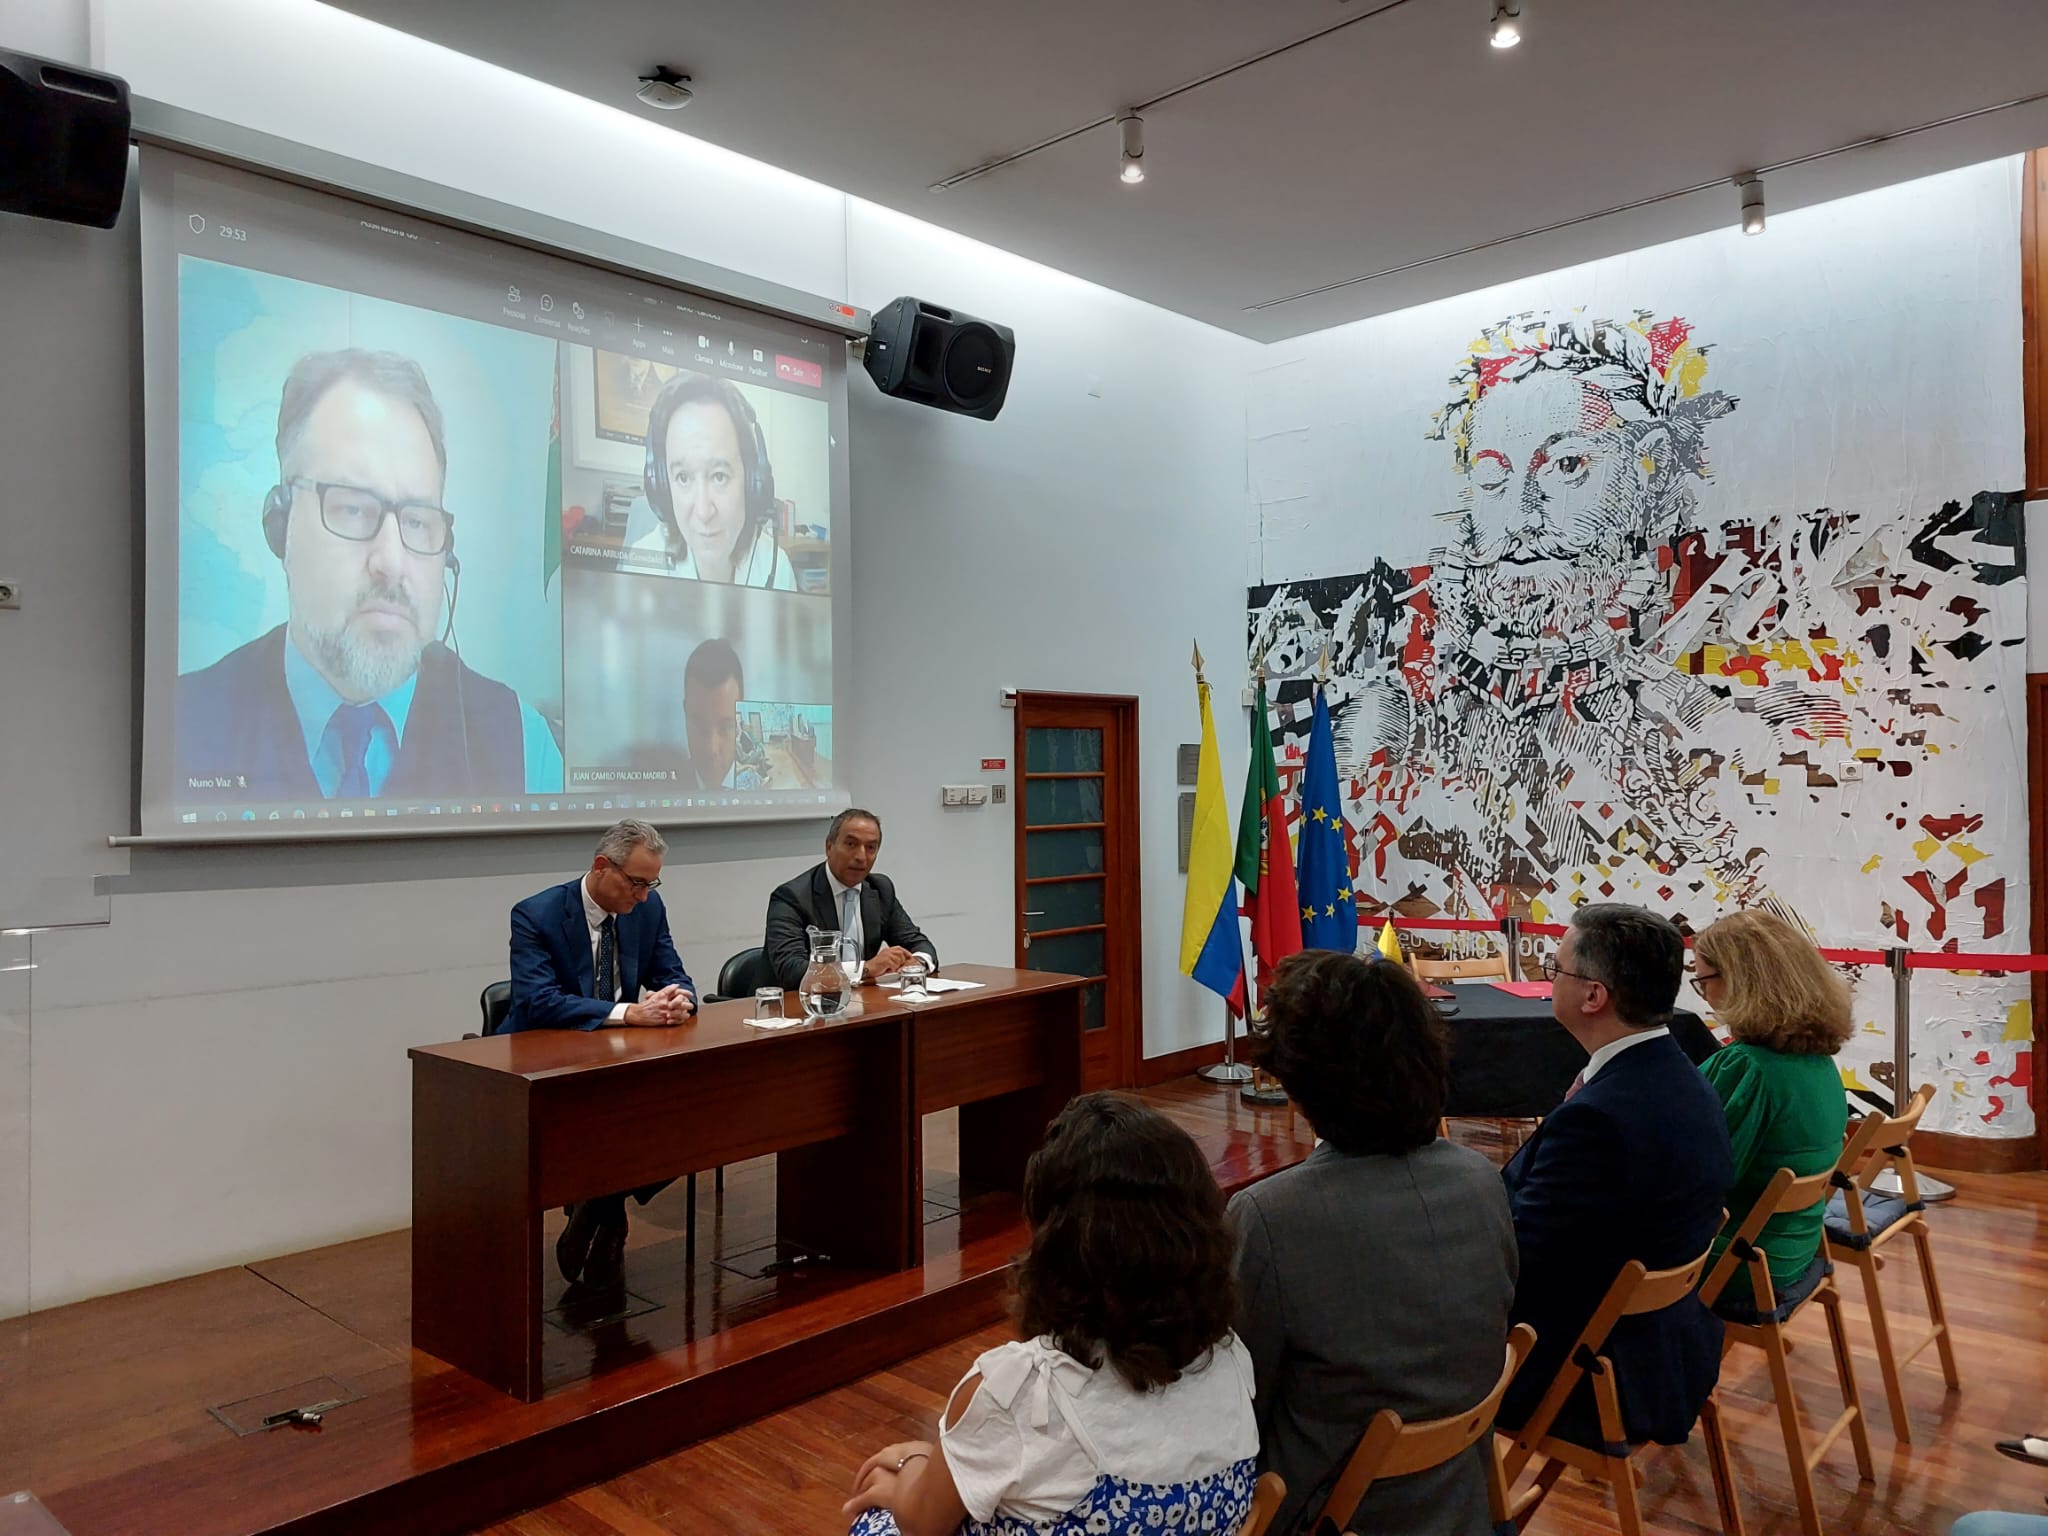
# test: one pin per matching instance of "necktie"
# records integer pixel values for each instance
(351, 727)
(849, 946)
(1578, 1082)
(607, 988)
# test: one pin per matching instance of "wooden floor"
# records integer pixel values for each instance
(789, 1472)
(113, 1410)
(122, 1413)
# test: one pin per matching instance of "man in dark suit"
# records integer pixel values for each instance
(844, 893)
(358, 695)
(588, 954)
(1635, 1164)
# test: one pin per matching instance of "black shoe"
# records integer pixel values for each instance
(572, 1248)
(2033, 1450)
(604, 1271)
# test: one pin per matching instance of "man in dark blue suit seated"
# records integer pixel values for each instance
(591, 954)
(1635, 1164)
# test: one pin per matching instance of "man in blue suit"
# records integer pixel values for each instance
(1635, 1164)
(594, 953)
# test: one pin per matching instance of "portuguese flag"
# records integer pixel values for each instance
(1265, 862)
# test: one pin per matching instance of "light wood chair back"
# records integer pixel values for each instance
(1636, 1289)
(1787, 1192)
(1268, 1494)
(1390, 1448)
(1879, 1143)
(1494, 967)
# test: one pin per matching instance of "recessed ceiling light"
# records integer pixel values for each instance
(664, 89)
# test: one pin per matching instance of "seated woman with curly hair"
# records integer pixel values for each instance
(1125, 1408)
(1788, 1014)
(1378, 1272)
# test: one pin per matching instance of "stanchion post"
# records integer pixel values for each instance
(1511, 927)
(1888, 1182)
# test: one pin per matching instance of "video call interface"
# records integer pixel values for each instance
(443, 527)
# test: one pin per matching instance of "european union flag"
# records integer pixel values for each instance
(1329, 920)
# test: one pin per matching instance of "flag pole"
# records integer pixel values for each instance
(1262, 1089)
(1229, 1069)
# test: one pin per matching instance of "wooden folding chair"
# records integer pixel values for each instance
(1761, 1321)
(1389, 1448)
(1268, 1494)
(1860, 1223)
(1493, 967)
(1635, 1290)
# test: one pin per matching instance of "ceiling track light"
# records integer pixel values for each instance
(1751, 187)
(1130, 148)
(1507, 23)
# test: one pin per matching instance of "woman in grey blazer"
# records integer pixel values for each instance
(1378, 1272)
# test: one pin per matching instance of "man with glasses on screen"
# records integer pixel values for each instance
(595, 954)
(358, 695)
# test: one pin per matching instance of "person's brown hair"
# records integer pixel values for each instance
(1781, 994)
(1359, 1049)
(1130, 1264)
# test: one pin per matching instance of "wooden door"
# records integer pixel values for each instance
(1077, 864)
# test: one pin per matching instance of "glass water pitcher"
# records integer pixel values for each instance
(825, 988)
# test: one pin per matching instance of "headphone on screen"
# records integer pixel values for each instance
(758, 475)
(277, 512)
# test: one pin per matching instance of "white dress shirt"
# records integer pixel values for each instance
(851, 935)
(595, 915)
(1614, 1048)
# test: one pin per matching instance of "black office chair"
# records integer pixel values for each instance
(742, 975)
(495, 1001)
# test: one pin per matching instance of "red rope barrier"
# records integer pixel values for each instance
(1950, 960)
(1937, 960)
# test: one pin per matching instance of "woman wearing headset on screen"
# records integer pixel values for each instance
(709, 481)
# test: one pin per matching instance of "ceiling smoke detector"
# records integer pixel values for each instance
(665, 89)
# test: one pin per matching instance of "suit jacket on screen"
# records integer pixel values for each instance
(239, 737)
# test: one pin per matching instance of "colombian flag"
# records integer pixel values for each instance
(1265, 860)
(1210, 950)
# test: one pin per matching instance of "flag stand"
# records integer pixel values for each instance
(1229, 1069)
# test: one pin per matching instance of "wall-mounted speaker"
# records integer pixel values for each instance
(940, 357)
(63, 141)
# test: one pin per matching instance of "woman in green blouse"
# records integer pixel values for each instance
(1788, 1014)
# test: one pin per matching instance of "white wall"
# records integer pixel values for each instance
(213, 1068)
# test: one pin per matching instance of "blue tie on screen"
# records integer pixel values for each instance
(607, 987)
(351, 728)
(848, 949)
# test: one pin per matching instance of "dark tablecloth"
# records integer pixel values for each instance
(1511, 1060)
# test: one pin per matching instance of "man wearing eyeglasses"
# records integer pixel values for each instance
(592, 954)
(357, 695)
(584, 953)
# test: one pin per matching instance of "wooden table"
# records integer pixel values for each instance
(508, 1126)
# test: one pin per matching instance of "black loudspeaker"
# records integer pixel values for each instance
(63, 141)
(940, 357)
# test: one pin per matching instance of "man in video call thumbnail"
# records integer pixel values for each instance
(721, 756)
(358, 694)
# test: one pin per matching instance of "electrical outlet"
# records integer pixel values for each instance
(1851, 771)
(10, 593)
(952, 794)
(999, 793)
(977, 794)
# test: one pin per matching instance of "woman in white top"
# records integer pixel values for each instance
(709, 481)
(1126, 1407)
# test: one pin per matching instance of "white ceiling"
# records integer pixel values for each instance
(1395, 140)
